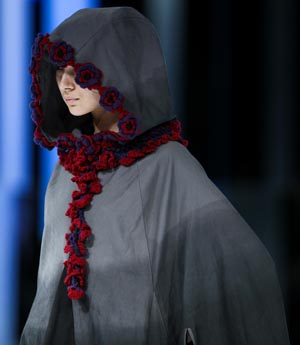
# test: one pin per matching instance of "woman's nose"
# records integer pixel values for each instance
(67, 81)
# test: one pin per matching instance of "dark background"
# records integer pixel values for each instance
(234, 77)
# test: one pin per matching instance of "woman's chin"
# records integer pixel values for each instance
(76, 113)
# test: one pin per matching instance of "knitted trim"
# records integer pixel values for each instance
(87, 75)
(84, 157)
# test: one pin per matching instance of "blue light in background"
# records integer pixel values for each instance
(15, 153)
(53, 13)
(170, 18)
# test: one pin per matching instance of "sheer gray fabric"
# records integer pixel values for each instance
(169, 253)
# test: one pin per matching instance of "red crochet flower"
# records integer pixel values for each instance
(61, 54)
(88, 75)
(106, 161)
(128, 126)
(37, 50)
(111, 99)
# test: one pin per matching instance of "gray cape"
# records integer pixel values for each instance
(169, 253)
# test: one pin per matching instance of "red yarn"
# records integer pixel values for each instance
(85, 168)
(127, 161)
(75, 294)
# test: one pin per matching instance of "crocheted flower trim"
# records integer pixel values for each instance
(111, 99)
(87, 75)
(84, 157)
(61, 54)
(35, 105)
(127, 125)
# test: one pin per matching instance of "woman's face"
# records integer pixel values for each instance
(79, 101)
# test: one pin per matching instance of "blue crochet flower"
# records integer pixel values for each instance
(35, 50)
(111, 99)
(88, 75)
(61, 54)
(128, 126)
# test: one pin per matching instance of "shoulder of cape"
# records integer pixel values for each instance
(176, 154)
(174, 163)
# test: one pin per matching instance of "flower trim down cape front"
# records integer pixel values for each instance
(88, 76)
(86, 155)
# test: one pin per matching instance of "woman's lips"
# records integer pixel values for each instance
(71, 100)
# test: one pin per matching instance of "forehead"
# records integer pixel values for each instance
(68, 70)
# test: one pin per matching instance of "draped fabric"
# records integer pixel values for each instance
(139, 245)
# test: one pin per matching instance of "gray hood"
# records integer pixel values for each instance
(115, 50)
